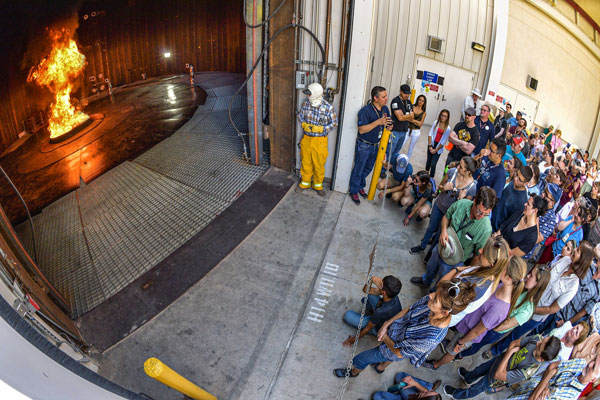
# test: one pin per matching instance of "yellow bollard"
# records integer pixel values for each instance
(156, 369)
(383, 143)
(412, 96)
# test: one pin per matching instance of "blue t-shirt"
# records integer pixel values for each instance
(489, 174)
(397, 175)
(368, 114)
(486, 134)
(510, 155)
(385, 311)
(512, 201)
(565, 235)
(512, 121)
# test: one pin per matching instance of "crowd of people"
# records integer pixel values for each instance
(511, 245)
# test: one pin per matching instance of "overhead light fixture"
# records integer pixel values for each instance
(478, 46)
(167, 54)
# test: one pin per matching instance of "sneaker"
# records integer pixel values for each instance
(436, 385)
(418, 281)
(429, 365)
(355, 199)
(362, 193)
(416, 249)
(449, 391)
(487, 354)
(388, 195)
(462, 372)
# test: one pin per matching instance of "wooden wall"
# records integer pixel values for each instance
(122, 39)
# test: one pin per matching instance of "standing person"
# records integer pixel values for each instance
(402, 112)
(491, 170)
(515, 151)
(470, 228)
(547, 162)
(318, 118)
(414, 126)
(556, 142)
(485, 128)
(521, 230)
(500, 125)
(464, 137)
(437, 139)
(509, 113)
(547, 222)
(372, 119)
(457, 184)
(591, 177)
(471, 101)
(548, 133)
(514, 197)
(416, 331)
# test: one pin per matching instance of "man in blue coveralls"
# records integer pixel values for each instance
(372, 119)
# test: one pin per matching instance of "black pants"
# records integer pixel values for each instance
(451, 159)
(431, 163)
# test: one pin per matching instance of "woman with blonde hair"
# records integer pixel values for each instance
(486, 276)
(492, 313)
(414, 332)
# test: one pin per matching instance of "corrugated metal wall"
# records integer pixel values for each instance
(402, 28)
(124, 39)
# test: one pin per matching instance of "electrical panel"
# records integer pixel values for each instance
(301, 79)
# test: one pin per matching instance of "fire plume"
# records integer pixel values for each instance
(58, 72)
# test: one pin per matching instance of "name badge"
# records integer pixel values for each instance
(468, 236)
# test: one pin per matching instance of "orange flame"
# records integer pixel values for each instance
(57, 72)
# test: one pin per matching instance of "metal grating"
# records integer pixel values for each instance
(95, 241)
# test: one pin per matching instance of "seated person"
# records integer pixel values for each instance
(401, 171)
(406, 385)
(382, 304)
(523, 359)
(418, 196)
(416, 331)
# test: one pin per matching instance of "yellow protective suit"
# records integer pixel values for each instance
(313, 152)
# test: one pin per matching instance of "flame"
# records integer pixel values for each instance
(58, 72)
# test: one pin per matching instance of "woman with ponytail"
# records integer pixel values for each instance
(535, 283)
(474, 326)
(416, 331)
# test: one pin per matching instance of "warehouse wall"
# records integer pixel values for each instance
(568, 72)
(121, 40)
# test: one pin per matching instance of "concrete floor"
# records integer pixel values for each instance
(256, 327)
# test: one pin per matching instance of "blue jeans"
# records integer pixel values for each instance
(436, 266)
(364, 160)
(547, 325)
(431, 163)
(404, 393)
(515, 334)
(482, 386)
(395, 145)
(434, 224)
(490, 337)
(367, 357)
(352, 318)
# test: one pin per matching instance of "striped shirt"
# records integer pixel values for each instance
(565, 384)
(585, 298)
(323, 115)
(414, 335)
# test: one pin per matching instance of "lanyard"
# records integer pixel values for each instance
(466, 222)
(378, 116)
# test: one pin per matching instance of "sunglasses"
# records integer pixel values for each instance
(454, 290)
(469, 115)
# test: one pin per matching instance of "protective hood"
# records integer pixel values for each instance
(316, 94)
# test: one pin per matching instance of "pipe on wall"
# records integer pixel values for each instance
(327, 40)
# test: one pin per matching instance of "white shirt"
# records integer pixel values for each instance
(565, 352)
(561, 289)
(469, 102)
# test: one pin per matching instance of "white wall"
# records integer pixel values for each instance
(568, 72)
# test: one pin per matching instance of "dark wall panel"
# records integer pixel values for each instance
(123, 39)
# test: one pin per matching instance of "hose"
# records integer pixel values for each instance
(258, 59)
(26, 209)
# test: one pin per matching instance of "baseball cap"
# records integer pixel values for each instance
(518, 141)
(401, 163)
(405, 89)
(470, 111)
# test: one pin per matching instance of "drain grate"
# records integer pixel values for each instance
(97, 240)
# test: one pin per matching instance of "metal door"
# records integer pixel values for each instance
(427, 82)
(458, 84)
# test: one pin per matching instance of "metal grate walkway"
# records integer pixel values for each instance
(101, 237)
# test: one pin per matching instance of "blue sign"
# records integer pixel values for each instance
(430, 77)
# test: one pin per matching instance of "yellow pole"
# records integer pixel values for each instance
(412, 96)
(383, 142)
(156, 369)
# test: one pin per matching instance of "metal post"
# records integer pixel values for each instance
(254, 43)
(383, 143)
(156, 369)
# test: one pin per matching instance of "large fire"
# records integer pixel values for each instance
(58, 72)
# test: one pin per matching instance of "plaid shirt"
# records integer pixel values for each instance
(586, 297)
(323, 115)
(547, 224)
(564, 385)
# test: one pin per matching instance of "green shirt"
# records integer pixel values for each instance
(472, 233)
(522, 314)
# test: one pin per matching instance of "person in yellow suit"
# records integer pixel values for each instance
(318, 118)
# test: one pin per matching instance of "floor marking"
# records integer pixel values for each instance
(324, 289)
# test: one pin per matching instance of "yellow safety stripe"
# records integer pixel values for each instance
(307, 184)
(318, 185)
